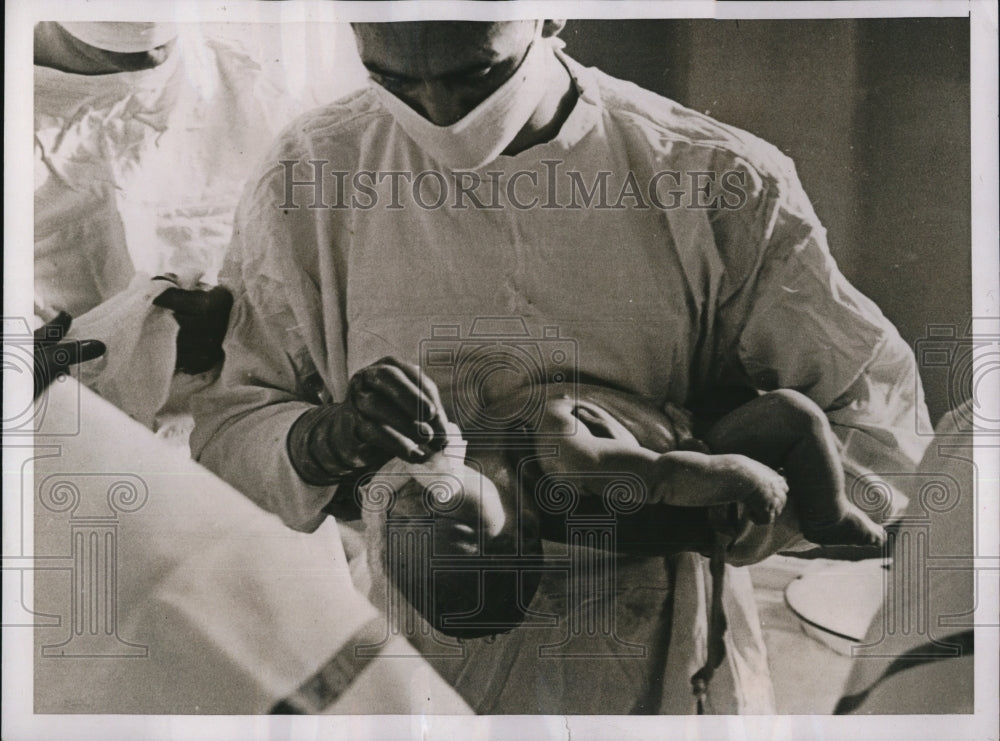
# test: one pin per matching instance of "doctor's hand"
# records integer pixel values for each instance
(391, 411)
(203, 317)
(54, 356)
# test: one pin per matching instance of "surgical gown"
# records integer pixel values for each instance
(140, 173)
(729, 283)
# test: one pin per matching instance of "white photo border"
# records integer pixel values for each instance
(18, 720)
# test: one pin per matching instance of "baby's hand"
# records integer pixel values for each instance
(589, 438)
(763, 490)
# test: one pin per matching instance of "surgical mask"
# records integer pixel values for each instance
(126, 38)
(482, 134)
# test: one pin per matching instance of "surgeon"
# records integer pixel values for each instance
(340, 298)
(143, 138)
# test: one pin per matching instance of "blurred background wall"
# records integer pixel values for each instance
(875, 114)
(314, 62)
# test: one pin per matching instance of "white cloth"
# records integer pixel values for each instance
(208, 605)
(141, 341)
(663, 302)
(141, 172)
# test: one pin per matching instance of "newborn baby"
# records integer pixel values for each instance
(600, 429)
(481, 510)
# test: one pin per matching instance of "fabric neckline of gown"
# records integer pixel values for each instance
(581, 120)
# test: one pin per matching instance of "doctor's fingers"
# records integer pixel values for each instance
(416, 376)
(53, 332)
(376, 407)
(379, 442)
(403, 386)
(61, 356)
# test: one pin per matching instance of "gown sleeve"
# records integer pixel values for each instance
(794, 321)
(272, 355)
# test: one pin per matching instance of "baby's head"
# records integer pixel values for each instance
(449, 536)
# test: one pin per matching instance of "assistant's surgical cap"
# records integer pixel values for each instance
(127, 38)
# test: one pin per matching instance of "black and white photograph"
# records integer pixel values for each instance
(501, 370)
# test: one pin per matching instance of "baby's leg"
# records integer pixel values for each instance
(784, 429)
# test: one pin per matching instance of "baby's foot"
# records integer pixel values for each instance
(853, 528)
(766, 502)
(762, 490)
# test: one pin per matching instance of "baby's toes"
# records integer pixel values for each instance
(765, 505)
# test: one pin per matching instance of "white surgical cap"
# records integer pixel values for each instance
(128, 38)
